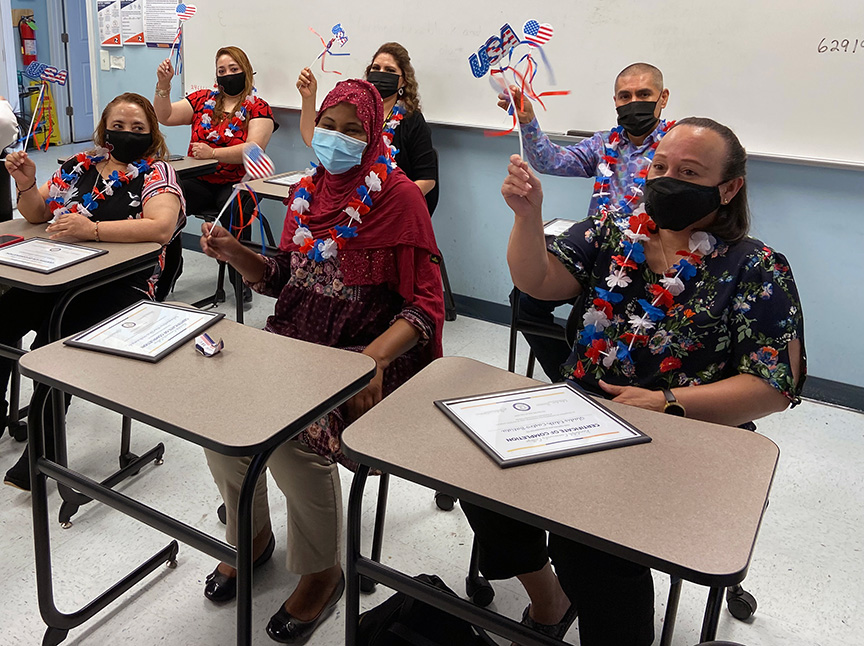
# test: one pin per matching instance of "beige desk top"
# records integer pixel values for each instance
(120, 254)
(186, 167)
(688, 503)
(270, 191)
(261, 389)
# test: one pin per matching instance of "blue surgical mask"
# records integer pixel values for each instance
(337, 152)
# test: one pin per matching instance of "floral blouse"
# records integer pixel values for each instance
(737, 314)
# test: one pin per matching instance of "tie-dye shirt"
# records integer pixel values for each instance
(584, 158)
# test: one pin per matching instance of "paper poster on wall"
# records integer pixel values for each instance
(132, 22)
(160, 22)
(109, 23)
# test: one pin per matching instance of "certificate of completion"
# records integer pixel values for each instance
(556, 227)
(45, 256)
(523, 426)
(147, 330)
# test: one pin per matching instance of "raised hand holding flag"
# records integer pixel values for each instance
(257, 164)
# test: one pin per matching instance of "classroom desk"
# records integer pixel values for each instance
(317, 378)
(186, 168)
(689, 503)
(122, 259)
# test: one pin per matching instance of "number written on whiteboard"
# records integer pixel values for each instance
(844, 46)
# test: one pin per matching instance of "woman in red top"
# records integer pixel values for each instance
(222, 119)
(357, 269)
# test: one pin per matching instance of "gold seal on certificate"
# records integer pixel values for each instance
(524, 426)
(147, 330)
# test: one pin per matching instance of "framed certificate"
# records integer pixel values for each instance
(556, 227)
(543, 423)
(146, 331)
(46, 256)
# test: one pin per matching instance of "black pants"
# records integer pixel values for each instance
(22, 312)
(202, 198)
(614, 597)
(550, 353)
(5, 191)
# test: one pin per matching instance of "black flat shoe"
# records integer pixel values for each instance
(221, 587)
(556, 631)
(286, 629)
(19, 475)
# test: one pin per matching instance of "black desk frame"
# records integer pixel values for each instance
(130, 464)
(359, 567)
(41, 468)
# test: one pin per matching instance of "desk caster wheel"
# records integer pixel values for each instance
(741, 604)
(221, 513)
(18, 430)
(479, 590)
(445, 502)
(66, 524)
(172, 564)
(159, 461)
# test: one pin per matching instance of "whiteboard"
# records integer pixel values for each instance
(751, 64)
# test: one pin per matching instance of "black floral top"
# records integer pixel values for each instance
(737, 314)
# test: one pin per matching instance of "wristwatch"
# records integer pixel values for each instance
(673, 406)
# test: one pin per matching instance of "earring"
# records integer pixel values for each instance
(401, 91)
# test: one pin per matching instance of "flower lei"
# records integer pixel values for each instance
(236, 122)
(60, 188)
(397, 113)
(320, 250)
(603, 185)
(599, 316)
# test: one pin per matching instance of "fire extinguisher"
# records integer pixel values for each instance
(27, 34)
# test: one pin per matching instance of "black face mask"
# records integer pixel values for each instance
(387, 83)
(232, 84)
(637, 117)
(675, 204)
(128, 147)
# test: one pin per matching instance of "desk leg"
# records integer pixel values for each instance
(352, 579)
(59, 623)
(712, 614)
(671, 611)
(244, 547)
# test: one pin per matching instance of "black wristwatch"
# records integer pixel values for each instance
(673, 406)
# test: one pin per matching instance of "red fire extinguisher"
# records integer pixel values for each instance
(27, 34)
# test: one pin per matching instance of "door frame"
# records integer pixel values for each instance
(7, 54)
(57, 19)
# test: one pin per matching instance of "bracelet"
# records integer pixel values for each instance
(163, 93)
(25, 190)
(96, 232)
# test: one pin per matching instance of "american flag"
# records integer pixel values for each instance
(186, 11)
(256, 163)
(53, 75)
(537, 34)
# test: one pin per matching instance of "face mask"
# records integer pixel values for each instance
(387, 83)
(637, 117)
(232, 84)
(675, 204)
(337, 152)
(128, 147)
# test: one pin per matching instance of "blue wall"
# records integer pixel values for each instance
(811, 214)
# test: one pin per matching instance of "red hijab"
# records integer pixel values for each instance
(399, 215)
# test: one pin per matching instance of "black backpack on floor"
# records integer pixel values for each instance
(403, 621)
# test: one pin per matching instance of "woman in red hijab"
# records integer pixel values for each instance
(357, 269)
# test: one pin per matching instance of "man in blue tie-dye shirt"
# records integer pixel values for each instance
(618, 159)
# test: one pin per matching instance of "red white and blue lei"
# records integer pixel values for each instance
(62, 188)
(601, 344)
(323, 249)
(626, 205)
(236, 123)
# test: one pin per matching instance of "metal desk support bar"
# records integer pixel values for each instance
(358, 566)
(41, 468)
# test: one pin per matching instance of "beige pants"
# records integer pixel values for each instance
(313, 493)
